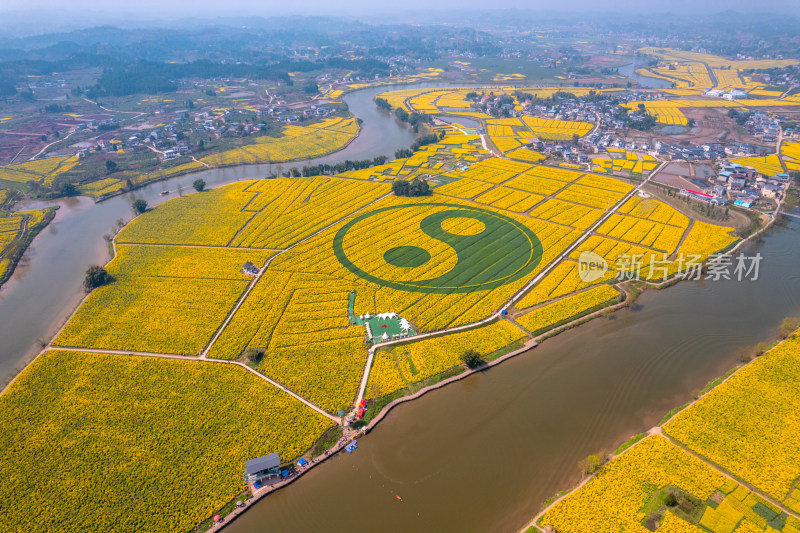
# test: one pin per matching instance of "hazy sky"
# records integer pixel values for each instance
(157, 8)
(20, 18)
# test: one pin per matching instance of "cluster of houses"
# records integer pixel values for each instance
(742, 185)
(745, 185)
(766, 126)
(732, 94)
(163, 138)
(281, 113)
(711, 151)
(41, 84)
(94, 124)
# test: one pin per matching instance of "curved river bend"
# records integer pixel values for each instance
(46, 285)
(483, 453)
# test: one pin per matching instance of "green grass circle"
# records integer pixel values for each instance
(407, 256)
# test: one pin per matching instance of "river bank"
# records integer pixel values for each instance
(46, 286)
(583, 391)
(528, 346)
(717, 383)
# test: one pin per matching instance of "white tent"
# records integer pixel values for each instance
(405, 325)
(384, 337)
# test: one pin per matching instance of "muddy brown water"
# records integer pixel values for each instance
(484, 453)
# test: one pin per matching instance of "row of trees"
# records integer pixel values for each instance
(416, 187)
(324, 169)
(424, 140)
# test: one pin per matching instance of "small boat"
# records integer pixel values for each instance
(164, 193)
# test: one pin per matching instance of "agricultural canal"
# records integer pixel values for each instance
(481, 454)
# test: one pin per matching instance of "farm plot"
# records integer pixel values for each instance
(256, 214)
(560, 130)
(394, 368)
(768, 165)
(590, 196)
(749, 424)
(510, 199)
(16, 230)
(790, 152)
(495, 170)
(300, 322)
(162, 299)
(562, 311)
(630, 480)
(40, 170)
(296, 142)
(566, 213)
(562, 280)
(661, 237)
(174, 431)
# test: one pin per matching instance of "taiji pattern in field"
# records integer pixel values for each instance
(490, 248)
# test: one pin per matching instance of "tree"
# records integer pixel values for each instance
(788, 326)
(199, 185)
(253, 355)
(68, 189)
(591, 464)
(139, 206)
(419, 187)
(110, 166)
(400, 187)
(311, 87)
(96, 276)
(472, 358)
(671, 500)
(415, 187)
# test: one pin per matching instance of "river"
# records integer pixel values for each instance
(46, 285)
(647, 82)
(483, 453)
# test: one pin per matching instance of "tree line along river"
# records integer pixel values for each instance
(481, 454)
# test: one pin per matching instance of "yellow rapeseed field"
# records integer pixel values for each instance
(410, 363)
(162, 299)
(295, 143)
(95, 442)
(613, 499)
(568, 308)
(749, 424)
